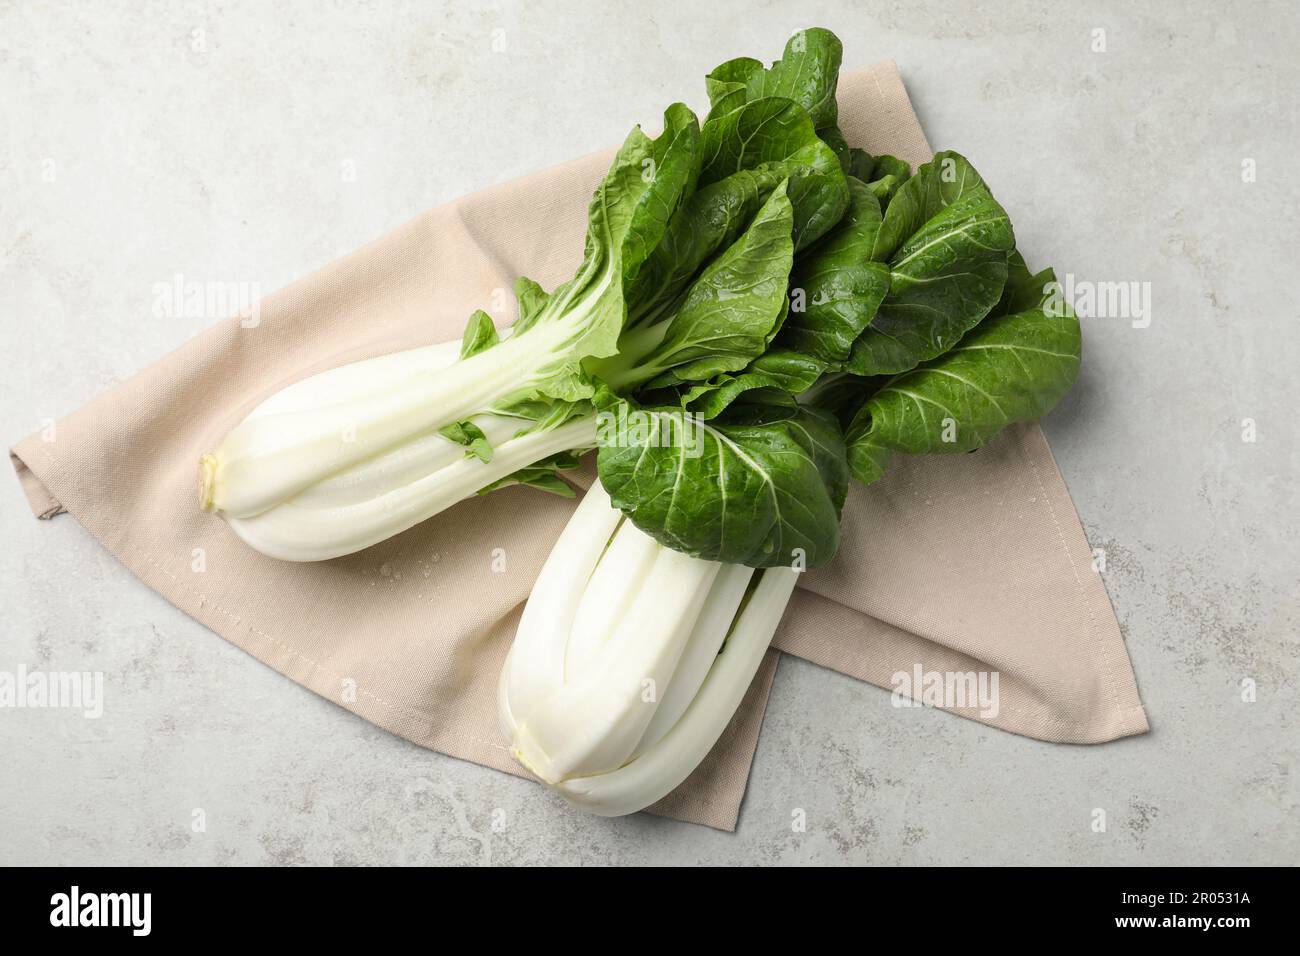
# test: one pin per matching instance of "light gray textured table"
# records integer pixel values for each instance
(138, 141)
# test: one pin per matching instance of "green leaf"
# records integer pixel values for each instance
(841, 394)
(592, 301)
(819, 201)
(730, 313)
(762, 129)
(1023, 291)
(715, 215)
(712, 219)
(532, 300)
(547, 481)
(833, 138)
(670, 171)
(775, 136)
(728, 84)
(1011, 368)
(480, 334)
(886, 176)
(942, 281)
(772, 129)
(807, 73)
(861, 165)
(648, 180)
(583, 318)
(774, 375)
(836, 288)
(471, 436)
(543, 475)
(867, 459)
(761, 485)
(939, 183)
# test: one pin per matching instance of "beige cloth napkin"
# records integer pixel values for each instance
(955, 563)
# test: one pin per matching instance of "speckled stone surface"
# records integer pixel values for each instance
(255, 142)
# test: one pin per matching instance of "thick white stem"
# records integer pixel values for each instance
(701, 653)
(537, 656)
(594, 722)
(396, 492)
(609, 597)
(658, 771)
(403, 465)
(356, 378)
(350, 415)
(631, 660)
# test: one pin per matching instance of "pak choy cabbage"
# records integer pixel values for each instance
(804, 311)
(912, 326)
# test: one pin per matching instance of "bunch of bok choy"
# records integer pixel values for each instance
(913, 326)
(798, 308)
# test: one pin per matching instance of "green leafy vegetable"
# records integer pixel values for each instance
(837, 288)
(806, 73)
(773, 378)
(762, 485)
(732, 417)
(729, 314)
(945, 274)
(885, 176)
(1013, 367)
(937, 184)
(774, 137)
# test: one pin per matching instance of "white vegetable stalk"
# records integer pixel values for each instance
(370, 502)
(619, 681)
(347, 458)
